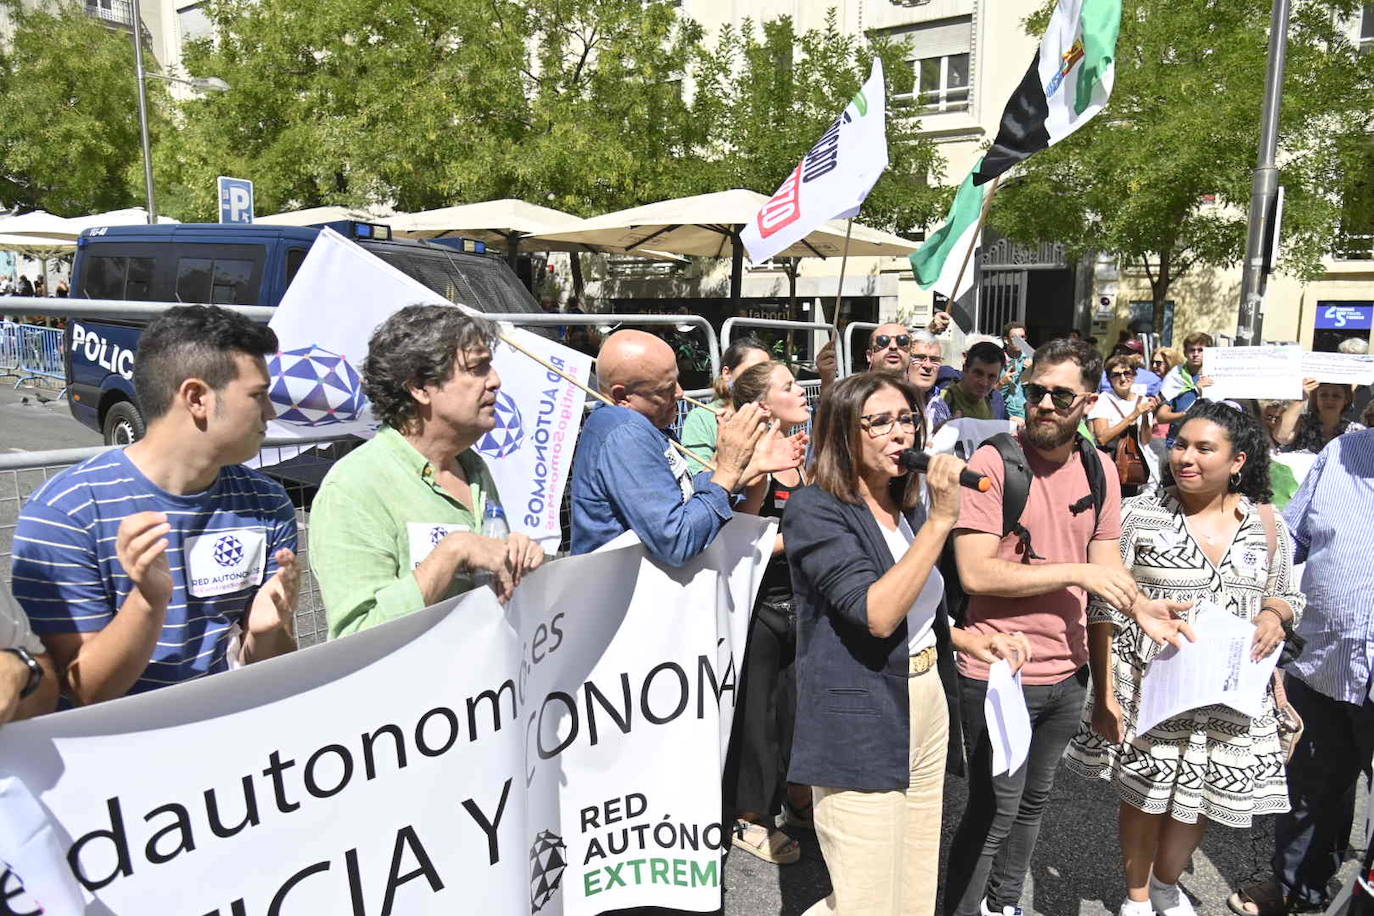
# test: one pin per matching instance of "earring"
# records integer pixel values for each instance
(1235, 480)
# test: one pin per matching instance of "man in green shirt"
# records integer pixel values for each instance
(971, 395)
(396, 525)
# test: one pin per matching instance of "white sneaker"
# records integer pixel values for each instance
(1169, 899)
(1135, 908)
(1004, 911)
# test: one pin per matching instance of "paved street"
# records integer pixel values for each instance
(1076, 871)
(34, 419)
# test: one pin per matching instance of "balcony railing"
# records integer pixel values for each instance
(1354, 248)
(115, 12)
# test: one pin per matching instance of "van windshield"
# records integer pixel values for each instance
(483, 283)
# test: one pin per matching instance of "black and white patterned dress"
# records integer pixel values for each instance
(1213, 761)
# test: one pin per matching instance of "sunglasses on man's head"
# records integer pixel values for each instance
(882, 340)
(1061, 398)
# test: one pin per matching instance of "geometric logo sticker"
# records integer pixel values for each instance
(548, 858)
(437, 534)
(314, 387)
(505, 437)
(228, 551)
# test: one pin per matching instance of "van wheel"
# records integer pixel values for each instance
(123, 424)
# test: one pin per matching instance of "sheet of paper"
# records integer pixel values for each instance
(1009, 727)
(1253, 372)
(1345, 368)
(29, 845)
(1215, 670)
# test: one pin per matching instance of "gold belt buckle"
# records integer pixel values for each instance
(922, 661)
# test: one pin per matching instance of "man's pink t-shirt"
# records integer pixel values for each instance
(1054, 623)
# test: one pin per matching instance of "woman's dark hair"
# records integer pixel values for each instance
(1246, 435)
(751, 385)
(731, 358)
(835, 435)
(1119, 362)
(417, 346)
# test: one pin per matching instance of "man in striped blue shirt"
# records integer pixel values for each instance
(137, 567)
(1332, 522)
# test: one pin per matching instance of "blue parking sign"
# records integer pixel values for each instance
(235, 200)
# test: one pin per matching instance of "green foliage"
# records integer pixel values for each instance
(583, 106)
(1183, 122)
(69, 138)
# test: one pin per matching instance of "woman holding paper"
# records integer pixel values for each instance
(877, 692)
(1208, 536)
(1324, 420)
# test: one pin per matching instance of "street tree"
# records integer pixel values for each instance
(69, 135)
(1161, 179)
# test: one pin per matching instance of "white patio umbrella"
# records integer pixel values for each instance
(313, 215)
(708, 225)
(42, 225)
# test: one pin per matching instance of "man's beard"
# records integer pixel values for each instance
(1047, 438)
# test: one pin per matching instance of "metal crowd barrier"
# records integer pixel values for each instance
(40, 354)
(782, 324)
(9, 348)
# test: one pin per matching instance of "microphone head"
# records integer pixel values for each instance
(913, 460)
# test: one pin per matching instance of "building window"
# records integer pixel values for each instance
(194, 24)
(119, 12)
(939, 70)
(1367, 29)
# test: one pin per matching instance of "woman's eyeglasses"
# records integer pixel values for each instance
(880, 424)
(882, 340)
(1122, 373)
(1061, 398)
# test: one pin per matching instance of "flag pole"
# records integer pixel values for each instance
(978, 235)
(708, 464)
(844, 259)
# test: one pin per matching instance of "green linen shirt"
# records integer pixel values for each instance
(377, 515)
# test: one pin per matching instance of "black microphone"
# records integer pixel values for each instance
(918, 461)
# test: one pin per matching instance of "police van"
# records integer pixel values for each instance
(233, 265)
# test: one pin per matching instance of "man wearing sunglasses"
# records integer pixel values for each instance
(1035, 581)
(889, 348)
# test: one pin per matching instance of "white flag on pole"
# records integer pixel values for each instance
(339, 296)
(832, 180)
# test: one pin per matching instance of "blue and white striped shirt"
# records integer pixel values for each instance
(68, 578)
(1332, 521)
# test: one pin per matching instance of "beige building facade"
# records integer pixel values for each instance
(967, 57)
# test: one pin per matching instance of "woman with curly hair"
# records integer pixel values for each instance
(1209, 534)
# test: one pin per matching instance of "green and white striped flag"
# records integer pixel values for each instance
(937, 263)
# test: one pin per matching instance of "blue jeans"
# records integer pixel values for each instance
(991, 850)
(1336, 746)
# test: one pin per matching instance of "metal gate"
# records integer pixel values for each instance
(1004, 278)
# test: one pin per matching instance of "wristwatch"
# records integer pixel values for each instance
(35, 671)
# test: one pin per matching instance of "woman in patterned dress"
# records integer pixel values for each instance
(1205, 535)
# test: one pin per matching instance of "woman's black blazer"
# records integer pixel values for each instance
(853, 713)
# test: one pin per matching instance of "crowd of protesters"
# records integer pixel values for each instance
(887, 599)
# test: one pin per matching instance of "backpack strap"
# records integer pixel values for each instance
(1016, 484)
(1097, 477)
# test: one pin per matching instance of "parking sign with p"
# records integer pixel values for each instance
(235, 200)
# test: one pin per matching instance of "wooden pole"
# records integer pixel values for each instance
(977, 235)
(709, 465)
(844, 260)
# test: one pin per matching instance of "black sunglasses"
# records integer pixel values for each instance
(882, 340)
(1061, 398)
(1123, 373)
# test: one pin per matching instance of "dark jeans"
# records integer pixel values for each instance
(992, 848)
(1336, 746)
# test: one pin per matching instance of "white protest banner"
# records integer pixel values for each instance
(339, 296)
(560, 755)
(1341, 368)
(832, 180)
(1253, 372)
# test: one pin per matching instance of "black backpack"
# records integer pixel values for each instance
(1016, 486)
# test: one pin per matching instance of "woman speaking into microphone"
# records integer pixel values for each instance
(876, 714)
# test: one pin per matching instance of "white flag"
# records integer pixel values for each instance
(339, 296)
(832, 180)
